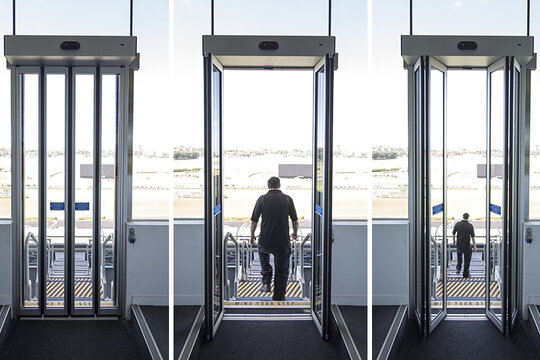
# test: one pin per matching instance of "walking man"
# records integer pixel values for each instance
(275, 208)
(465, 232)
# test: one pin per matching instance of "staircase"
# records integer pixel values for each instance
(82, 265)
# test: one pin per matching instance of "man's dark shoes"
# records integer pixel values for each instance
(466, 275)
(458, 271)
(265, 288)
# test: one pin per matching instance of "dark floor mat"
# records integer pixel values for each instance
(157, 318)
(467, 340)
(383, 316)
(184, 317)
(76, 339)
(356, 320)
(268, 340)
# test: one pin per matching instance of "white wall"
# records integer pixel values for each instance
(189, 262)
(147, 273)
(349, 272)
(390, 262)
(5, 262)
(531, 268)
(349, 263)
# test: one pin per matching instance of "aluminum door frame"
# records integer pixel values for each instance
(123, 195)
(327, 62)
(434, 63)
(209, 225)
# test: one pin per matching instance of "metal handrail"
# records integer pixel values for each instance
(102, 275)
(230, 237)
(29, 237)
(301, 270)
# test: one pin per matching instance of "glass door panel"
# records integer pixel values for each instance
(61, 265)
(419, 230)
(496, 174)
(29, 103)
(56, 267)
(107, 244)
(82, 245)
(321, 241)
(436, 145)
(513, 156)
(213, 196)
(319, 191)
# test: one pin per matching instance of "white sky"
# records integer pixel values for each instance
(366, 107)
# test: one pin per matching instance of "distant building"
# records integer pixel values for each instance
(107, 171)
(295, 170)
(496, 170)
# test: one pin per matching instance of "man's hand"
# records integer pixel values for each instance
(294, 236)
(474, 247)
(252, 231)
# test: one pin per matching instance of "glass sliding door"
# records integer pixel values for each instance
(82, 247)
(110, 113)
(67, 123)
(420, 150)
(496, 189)
(436, 237)
(56, 268)
(322, 195)
(504, 83)
(214, 242)
(430, 242)
(513, 145)
(28, 107)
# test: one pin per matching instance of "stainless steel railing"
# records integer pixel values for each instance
(102, 274)
(29, 237)
(237, 265)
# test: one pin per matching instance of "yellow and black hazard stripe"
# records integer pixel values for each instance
(469, 289)
(251, 289)
(83, 288)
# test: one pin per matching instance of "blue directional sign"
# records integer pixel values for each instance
(60, 206)
(495, 209)
(82, 206)
(438, 208)
(217, 209)
(319, 209)
(54, 206)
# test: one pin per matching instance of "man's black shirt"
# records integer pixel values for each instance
(275, 208)
(464, 231)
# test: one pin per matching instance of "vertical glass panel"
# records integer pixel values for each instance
(107, 253)
(496, 186)
(217, 222)
(387, 131)
(252, 17)
(84, 189)
(30, 178)
(513, 149)
(5, 134)
(55, 17)
(534, 178)
(455, 17)
(419, 303)
(318, 216)
(436, 176)
(55, 197)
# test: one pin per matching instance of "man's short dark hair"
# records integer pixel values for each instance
(466, 216)
(274, 183)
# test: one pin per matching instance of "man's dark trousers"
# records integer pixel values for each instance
(467, 253)
(281, 261)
